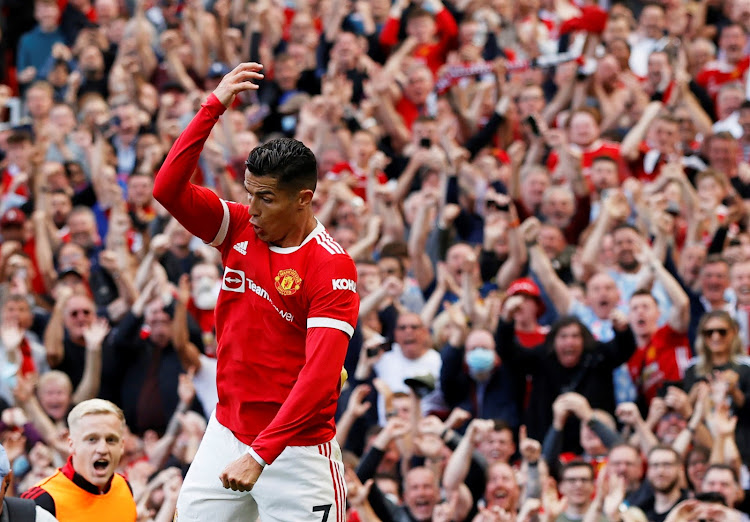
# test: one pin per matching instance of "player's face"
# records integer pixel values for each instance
(96, 444)
(274, 213)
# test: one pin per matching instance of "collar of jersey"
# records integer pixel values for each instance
(81, 482)
(289, 250)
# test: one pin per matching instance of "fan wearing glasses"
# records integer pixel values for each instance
(720, 357)
(68, 336)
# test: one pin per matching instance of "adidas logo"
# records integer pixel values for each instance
(241, 247)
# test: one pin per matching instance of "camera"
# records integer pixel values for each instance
(425, 143)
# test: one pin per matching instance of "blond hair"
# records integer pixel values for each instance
(93, 407)
(55, 376)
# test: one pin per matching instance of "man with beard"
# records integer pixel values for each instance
(576, 485)
(205, 285)
(664, 474)
(628, 245)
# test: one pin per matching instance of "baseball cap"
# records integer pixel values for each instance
(12, 217)
(421, 384)
(527, 286)
(4, 463)
(217, 70)
(69, 270)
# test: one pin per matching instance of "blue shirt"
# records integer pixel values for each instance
(34, 48)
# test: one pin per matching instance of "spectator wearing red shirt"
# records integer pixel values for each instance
(15, 175)
(584, 136)
(732, 67)
(431, 25)
(663, 352)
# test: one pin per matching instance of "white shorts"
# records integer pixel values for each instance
(305, 483)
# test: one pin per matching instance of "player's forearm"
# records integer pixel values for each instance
(317, 384)
(195, 207)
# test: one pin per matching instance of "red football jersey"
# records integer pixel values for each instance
(717, 74)
(663, 359)
(596, 149)
(283, 317)
(269, 297)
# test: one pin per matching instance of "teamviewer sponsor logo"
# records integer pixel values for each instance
(344, 284)
(234, 280)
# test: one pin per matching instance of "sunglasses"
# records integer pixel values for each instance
(708, 332)
(76, 313)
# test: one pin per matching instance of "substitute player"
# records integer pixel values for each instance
(287, 308)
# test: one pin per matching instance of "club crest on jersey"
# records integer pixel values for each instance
(287, 281)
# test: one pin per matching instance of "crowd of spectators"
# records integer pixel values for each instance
(546, 201)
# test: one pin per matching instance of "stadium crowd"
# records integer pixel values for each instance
(547, 204)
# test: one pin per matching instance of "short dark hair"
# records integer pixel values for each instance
(287, 160)
(665, 447)
(395, 249)
(724, 467)
(606, 158)
(419, 12)
(576, 464)
(713, 259)
(643, 291)
(622, 226)
(18, 137)
(499, 425)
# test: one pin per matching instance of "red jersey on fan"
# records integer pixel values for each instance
(284, 316)
(717, 74)
(360, 177)
(664, 359)
(598, 148)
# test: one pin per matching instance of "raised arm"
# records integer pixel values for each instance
(633, 139)
(94, 336)
(542, 267)
(197, 208)
(679, 315)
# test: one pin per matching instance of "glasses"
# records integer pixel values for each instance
(409, 327)
(580, 480)
(661, 464)
(708, 332)
(76, 313)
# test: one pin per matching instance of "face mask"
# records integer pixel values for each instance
(480, 360)
(206, 293)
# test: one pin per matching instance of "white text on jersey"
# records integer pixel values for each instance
(344, 284)
(235, 281)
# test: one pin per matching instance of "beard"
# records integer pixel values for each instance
(628, 266)
(666, 489)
